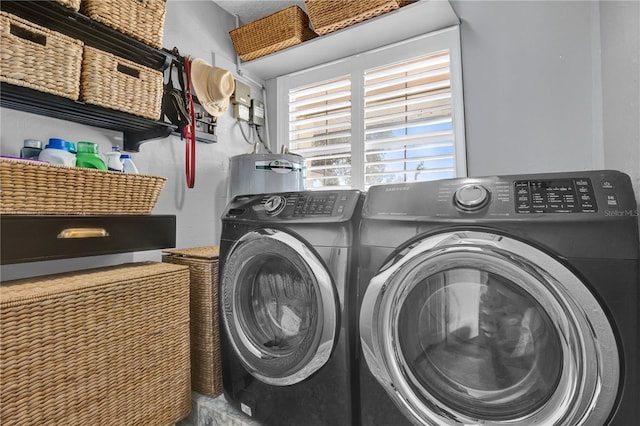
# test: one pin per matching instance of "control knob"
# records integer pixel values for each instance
(275, 205)
(471, 197)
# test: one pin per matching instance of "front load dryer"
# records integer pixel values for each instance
(288, 306)
(505, 300)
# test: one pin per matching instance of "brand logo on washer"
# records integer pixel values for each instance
(396, 188)
(278, 166)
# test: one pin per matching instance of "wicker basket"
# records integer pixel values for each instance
(116, 83)
(206, 369)
(31, 187)
(102, 346)
(140, 19)
(71, 4)
(331, 15)
(282, 29)
(38, 58)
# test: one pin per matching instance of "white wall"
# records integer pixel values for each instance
(531, 101)
(620, 29)
(199, 29)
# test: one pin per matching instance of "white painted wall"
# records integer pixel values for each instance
(620, 29)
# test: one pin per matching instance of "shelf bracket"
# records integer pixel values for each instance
(133, 139)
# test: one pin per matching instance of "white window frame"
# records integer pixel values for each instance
(447, 38)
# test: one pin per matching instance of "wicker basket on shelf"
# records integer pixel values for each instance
(71, 4)
(331, 15)
(116, 83)
(31, 187)
(140, 19)
(105, 346)
(282, 29)
(38, 58)
(206, 368)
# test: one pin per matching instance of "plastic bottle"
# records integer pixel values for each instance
(31, 149)
(88, 157)
(113, 159)
(56, 152)
(128, 164)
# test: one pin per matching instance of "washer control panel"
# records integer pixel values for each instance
(605, 193)
(302, 206)
(555, 196)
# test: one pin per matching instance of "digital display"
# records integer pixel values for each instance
(555, 196)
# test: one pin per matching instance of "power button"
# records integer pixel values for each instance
(470, 198)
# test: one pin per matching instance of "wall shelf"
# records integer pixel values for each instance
(413, 20)
(53, 15)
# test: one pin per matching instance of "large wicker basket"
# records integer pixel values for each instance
(38, 58)
(331, 15)
(31, 187)
(140, 19)
(206, 368)
(107, 346)
(116, 83)
(282, 29)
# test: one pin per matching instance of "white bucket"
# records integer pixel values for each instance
(266, 173)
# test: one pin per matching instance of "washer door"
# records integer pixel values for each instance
(477, 328)
(279, 307)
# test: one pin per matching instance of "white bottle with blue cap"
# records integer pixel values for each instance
(57, 152)
(113, 159)
(128, 164)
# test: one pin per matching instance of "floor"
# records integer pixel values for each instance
(208, 411)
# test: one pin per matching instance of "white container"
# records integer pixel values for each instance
(266, 173)
(55, 152)
(128, 165)
(113, 159)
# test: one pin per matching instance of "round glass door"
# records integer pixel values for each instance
(279, 307)
(472, 327)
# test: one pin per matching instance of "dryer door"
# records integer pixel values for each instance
(279, 307)
(478, 328)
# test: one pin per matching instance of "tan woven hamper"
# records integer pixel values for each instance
(331, 15)
(117, 83)
(206, 370)
(282, 29)
(101, 346)
(30, 187)
(140, 19)
(38, 58)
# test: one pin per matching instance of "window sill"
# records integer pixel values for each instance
(410, 21)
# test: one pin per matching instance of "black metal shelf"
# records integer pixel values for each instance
(53, 15)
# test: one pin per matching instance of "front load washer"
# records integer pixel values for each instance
(505, 300)
(288, 293)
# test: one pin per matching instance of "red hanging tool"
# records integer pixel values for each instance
(189, 131)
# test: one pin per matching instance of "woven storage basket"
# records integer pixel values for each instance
(282, 29)
(206, 369)
(104, 346)
(116, 83)
(71, 4)
(38, 58)
(331, 15)
(140, 19)
(31, 187)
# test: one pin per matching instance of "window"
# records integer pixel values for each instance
(386, 116)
